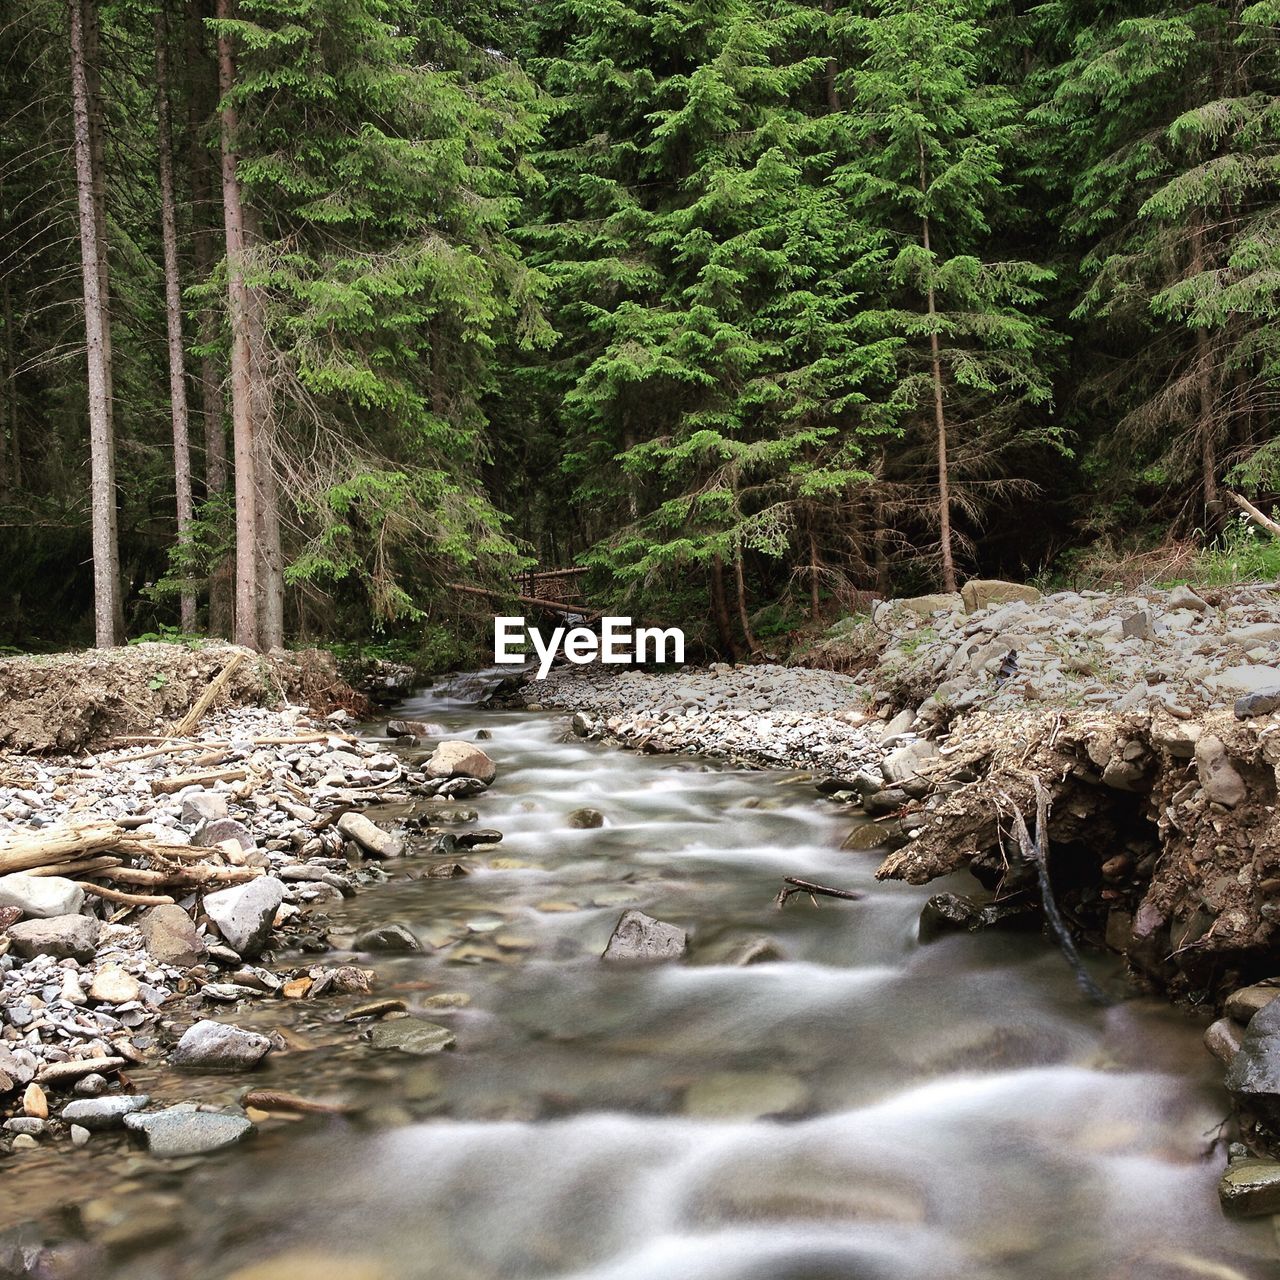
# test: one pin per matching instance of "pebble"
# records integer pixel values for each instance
(412, 1035)
(217, 1046)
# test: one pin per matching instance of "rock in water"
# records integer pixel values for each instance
(185, 1131)
(41, 897)
(640, 937)
(414, 729)
(1244, 1003)
(63, 937)
(1223, 1039)
(412, 1035)
(369, 836)
(454, 759)
(952, 912)
(244, 913)
(585, 819)
(171, 937)
(215, 1046)
(1251, 1188)
(386, 937)
(96, 1114)
(1255, 1071)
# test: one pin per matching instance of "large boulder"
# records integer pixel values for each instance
(640, 937)
(216, 1046)
(40, 897)
(244, 913)
(171, 937)
(63, 937)
(906, 762)
(927, 606)
(454, 759)
(981, 593)
(184, 1130)
(369, 836)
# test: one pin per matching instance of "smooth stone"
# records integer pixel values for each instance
(906, 762)
(32, 1125)
(204, 806)
(219, 830)
(217, 1046)
(369, 836)
(244, 913)
(584, 819)
(97, 1114)
(386, 937)
(70, 937)
(1219, 778)
(1183, 597)
(1251, 1188)
(1243, 1004)
(414, 729)
(171, 937)
(744, 1095)
(412, 1035)
(454, 759)
(981, 593)
(1255, 1071)
(112, 985)
(79, 1135)
(637, 936)
(41, 897)
(1262, 703)
(34, 1102)
(1223, 1039)
(184, 1131)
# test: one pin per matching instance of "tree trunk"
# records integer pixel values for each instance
(814, 569)
(1206, 427)
(743, 619)
(242, 424)
(720, 610)
(202, 103)
(106, 555)
(829, 71)
(940, 421)
(173, 308)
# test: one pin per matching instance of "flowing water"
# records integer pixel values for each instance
(862, 1107)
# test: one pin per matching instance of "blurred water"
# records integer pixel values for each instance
(863, 1107)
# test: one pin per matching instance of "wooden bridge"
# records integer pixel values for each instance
(558, 591)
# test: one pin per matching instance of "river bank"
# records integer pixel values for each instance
(1146, 721)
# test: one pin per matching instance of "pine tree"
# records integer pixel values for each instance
(935, 136)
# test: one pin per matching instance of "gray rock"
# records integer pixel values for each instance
(414, 729)
(244, 913)
(1218, 776)
(906, 762)
(455, 759)
(1250, 1188)
(216, 1046)
(63, 937)
(171, 937)
(1247, 1001)
(926, 606)
(412, 1035)
(31, 1125)
(79, 1135)
(1138, 626)
(96, 1114)
(1254, 1074)
(1262, 703)
(220, 829)
(889, 800)
(952, 912)
(581, 724)
(386, 937)
(369, 836)
(185, 1131)
(585, 819)
(41, 897)
(204, 806)
(1183, 597)
(1223, 1039)
(640, 937)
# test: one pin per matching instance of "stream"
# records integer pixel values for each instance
(861, 1107)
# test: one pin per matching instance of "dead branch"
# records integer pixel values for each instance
(551, 606)
(791, 884)
(1263, 522)
(206, 699)
(129, 899)
(166, 786)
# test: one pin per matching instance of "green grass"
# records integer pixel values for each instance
(1244, 553)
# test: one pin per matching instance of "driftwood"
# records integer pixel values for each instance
(206, 699)
(58, 845)
(790, 885)
(171, 748)
(128, 899)
(167, 786)
(1262, 521)
(80, 867)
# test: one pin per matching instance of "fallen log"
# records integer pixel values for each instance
(551, 606)
(1262, 521)
(206, 699)
(60, 845)
(167, 786)
(81, 867)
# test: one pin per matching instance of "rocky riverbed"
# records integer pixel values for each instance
(1145, 724)
(149, 883)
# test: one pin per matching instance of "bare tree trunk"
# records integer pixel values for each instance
(173, 308)
(202, 103)
(940, 421)
(9, 430)
(242, 424)
(829, 72)
(814, 569)
(1206, 427)
(106, 554)
(740, 582)
(720, 610)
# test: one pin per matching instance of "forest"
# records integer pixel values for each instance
(313, 312)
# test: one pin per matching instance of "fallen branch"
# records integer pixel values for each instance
(58, 845)
(81, 867)
(551, 606)
(790, 885)
(206, 699)
(166, 786)
(1263, 522)
(129, 899)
